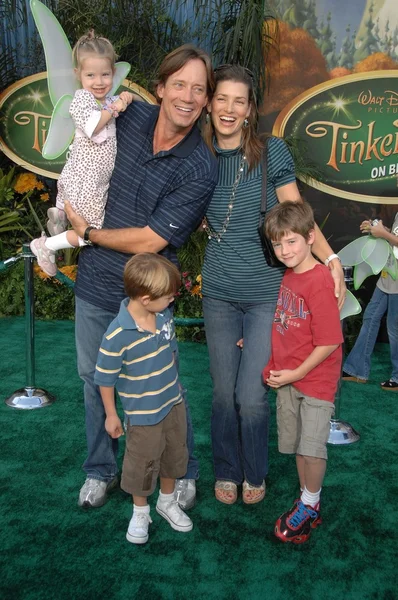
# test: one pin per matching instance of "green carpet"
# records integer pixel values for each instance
(51, 549)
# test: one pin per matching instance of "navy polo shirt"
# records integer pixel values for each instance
(169, 192)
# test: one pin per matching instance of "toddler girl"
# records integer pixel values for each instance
(84, 180)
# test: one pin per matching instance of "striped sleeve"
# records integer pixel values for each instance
(280, 163)
(110, 359)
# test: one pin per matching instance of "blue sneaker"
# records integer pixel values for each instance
(295, 525)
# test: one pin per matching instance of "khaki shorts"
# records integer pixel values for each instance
(153, 450)
(303, 423)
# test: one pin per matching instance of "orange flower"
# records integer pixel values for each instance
(196, 291)
(45, 197)
(70, 271)
(38, 271)
(26, 182)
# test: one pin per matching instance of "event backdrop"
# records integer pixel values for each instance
(334, 87)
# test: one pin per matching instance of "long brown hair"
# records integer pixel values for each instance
(251, 144)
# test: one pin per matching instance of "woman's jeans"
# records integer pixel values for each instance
(358, 361)
(91, 322)
(240, 415)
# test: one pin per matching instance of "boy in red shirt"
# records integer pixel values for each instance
(305, 361)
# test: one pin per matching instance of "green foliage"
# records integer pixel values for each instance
(52, 300)
(22, 209)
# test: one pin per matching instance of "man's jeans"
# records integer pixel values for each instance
(240, 415)
(90, 325)
(358, 361)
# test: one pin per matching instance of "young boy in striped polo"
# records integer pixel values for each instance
(137, 357)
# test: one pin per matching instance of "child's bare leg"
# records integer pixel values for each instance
(300, 463)
(140, 500)
(167, 485)
(315, 469)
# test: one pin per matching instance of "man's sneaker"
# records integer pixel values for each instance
(137, 532)
(347, 377)
(45, 256)
(177, 519)
(94, 492)
(57, 221)
(390, 385)
(185, 493)
(295, 525)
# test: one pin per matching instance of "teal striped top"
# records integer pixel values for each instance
(235, 269)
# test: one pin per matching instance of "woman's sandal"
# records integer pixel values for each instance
(247, 490)
(226, 492)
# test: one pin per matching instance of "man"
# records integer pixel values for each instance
(162, 182)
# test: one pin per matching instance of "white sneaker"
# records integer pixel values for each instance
(57, 221)
(177, 519)
(137, 532)
(185, 493)
(45, 256)
(94, 492)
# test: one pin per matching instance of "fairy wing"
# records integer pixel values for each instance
(351, 306)
(122, 69)
(352, 253)
(376, 255)
(61, 121)
(60, 74)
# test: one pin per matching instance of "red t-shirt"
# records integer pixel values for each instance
(307, 316)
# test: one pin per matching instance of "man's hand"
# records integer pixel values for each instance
(113, 426)
(78, 223)
(340, 289)
(277, 379)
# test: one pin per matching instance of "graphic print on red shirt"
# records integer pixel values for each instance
(307, 316)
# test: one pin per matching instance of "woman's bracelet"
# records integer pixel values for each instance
(330, 258)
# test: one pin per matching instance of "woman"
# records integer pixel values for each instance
(239, 289)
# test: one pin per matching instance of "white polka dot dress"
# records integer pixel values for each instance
(84, 180)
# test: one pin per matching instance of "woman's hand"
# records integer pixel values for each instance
(340, 288)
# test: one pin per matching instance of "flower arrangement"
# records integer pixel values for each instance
(23, 204)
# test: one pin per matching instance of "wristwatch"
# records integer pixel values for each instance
(86, 236)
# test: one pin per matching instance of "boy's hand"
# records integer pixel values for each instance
(113, 426)
(277, 379)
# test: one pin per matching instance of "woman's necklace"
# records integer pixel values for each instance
(217, 235)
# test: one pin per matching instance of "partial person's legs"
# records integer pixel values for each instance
(251, 395)
(100, 465)
(224, 327)
(392, 328)
(357, 363)
(185, 488)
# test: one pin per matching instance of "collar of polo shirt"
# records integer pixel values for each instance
(183, 148)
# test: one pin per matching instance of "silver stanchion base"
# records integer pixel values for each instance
(28, 398)
(341, 432)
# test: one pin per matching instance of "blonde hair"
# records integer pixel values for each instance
(152, 275)
(90, 43)
(251, 144)
(297, 217)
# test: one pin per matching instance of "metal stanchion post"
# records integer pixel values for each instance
(29, 397)
(340, 431)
